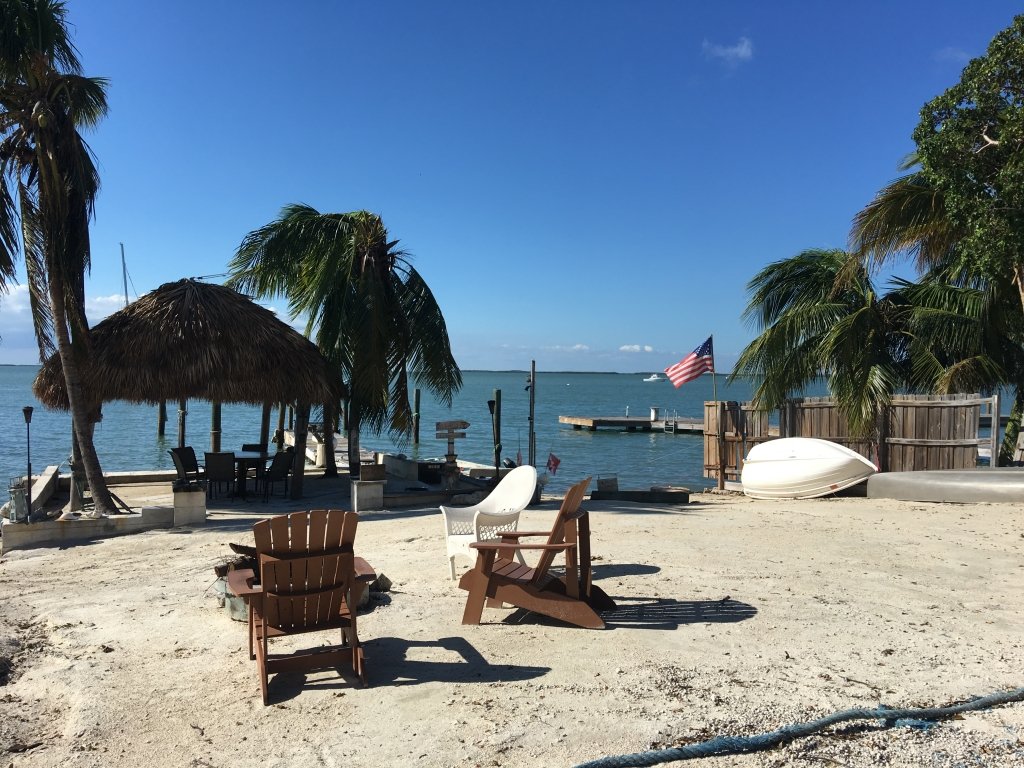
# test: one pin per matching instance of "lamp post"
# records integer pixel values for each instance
(27, 410)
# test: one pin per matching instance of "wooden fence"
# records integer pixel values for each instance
(916, 432)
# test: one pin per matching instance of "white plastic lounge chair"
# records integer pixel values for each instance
(484, 521)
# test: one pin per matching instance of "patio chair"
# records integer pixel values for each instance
(220, 471)
(186, 464)
(308, 583)
(571, 598)
(485, 521)
(277, 472)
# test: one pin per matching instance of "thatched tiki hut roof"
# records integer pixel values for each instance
(200, 341)
(194, 340)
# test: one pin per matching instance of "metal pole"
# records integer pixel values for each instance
(27, 411)
(533, 395)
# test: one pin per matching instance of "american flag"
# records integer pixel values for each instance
(693, 365)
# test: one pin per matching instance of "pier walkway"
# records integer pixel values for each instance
(670, 424)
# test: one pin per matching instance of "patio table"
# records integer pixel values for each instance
(244, 460)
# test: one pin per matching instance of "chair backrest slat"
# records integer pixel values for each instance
(279, 541)
(318, 529)
(570, 506)
(299, 539)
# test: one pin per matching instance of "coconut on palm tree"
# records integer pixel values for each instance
(48, 185)
(367, 308)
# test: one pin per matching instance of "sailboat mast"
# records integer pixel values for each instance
(124, 275)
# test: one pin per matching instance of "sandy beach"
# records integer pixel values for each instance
(736, 617)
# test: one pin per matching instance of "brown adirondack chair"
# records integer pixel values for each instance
(498, 578)
(308, 583)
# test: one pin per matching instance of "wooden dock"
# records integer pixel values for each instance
(669, 424)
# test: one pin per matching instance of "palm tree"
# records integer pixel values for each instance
(368, 309)
(819, 315)
(965, 324)
(907, 218)
(48, 188)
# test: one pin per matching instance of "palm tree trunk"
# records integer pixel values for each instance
(1012, 430)
(81, 416)
(1018, 278)
(330, 419)
(301, 433)
(353, 441)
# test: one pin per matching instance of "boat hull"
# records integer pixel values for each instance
(966, 486)
(801, 468)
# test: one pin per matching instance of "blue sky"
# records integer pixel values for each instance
(588, 185)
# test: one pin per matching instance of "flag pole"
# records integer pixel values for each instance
(714, 379)
(720, 412)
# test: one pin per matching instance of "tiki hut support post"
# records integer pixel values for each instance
(265, 424)
(301, 431)
(182, 410)
(279, 434)
(161, 419)
(215, 426)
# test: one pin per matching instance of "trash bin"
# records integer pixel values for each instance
(429, 472)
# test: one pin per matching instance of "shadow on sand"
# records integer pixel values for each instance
(654, 613)
(397, 661)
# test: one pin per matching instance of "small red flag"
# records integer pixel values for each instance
(553, 462)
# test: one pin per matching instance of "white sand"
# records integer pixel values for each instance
(121, 656)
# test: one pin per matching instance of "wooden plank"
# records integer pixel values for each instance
(451, 425)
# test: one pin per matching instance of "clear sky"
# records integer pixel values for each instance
(585, 184)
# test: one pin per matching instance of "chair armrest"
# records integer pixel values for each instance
(519, 534)
(462, 516)
(240, 582)
(497, 546)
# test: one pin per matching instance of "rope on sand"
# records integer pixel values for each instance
(734, 745)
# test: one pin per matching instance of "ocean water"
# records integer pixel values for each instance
(127, 438)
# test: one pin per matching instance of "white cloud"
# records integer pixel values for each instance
(563, 348)
(732, 55)
(952, 55)
(636, 348)
(99, 307)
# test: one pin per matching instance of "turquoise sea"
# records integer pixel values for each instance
(127, 439)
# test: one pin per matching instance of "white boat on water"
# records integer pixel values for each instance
(655, 377)
(801, 468)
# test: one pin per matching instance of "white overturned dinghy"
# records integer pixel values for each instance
(801, 468)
